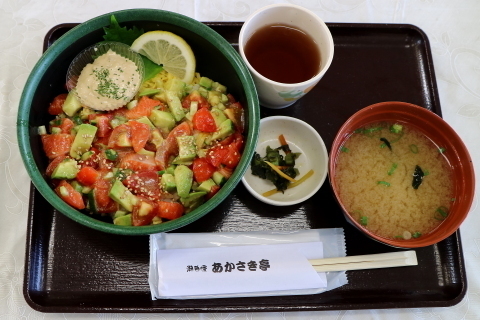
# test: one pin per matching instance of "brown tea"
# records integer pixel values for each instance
(283, 54)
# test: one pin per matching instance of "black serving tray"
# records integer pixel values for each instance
(71, 268)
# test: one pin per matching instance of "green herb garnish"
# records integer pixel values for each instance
(111, 154)
(416, 234)
(392, 169)
(363, 221)
(396, 128)
(385, 183)
(441, 150)
(413, 148)
(344, 149)
(441, 213)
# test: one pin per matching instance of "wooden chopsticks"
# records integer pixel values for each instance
(368, 261)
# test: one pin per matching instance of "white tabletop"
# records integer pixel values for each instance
(453, 28)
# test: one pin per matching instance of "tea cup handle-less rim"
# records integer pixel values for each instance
(273, 94)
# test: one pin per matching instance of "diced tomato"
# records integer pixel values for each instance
(70, 195)
(202, 169)
(233, 156)
(140, 134)
(66, 126)
(169, 146)
(143, 217)
(53, 164)
(195, 96)
(120, 133)
(87, 176)
(101, 143)
(144, 184)
(138, 162)
(92, 161)
(103, 125)
(235, 138)
(203, 121)
(101, 189)
(238, 141)
(144, 107)
(57, 144)
(217, 154)
(213, 191)
(56, 105)
(170, 210)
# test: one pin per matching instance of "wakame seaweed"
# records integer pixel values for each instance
(417, 177)
(386, 143)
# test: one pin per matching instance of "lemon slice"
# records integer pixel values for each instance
(170, 51)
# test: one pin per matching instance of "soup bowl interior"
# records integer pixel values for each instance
(215, 58)
(437, 130)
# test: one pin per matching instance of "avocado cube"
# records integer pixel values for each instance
(193, 199)
(71, 104)
(175, 105)
(83, 140)
(65, 170)
(183, 179)
(168, 182)
(187, 149)
(123, 196)
(226, 128)
(206, 185)
(214, 97)
(218, 115)
(125, 220)
(205, 82)
(162, 119)
(146, 121)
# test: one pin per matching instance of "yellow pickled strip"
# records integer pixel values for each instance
(294, 184)
(283, 175)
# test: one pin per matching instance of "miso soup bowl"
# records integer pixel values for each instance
(437, 130)
(215, 58)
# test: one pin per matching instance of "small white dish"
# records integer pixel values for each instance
(301, 137)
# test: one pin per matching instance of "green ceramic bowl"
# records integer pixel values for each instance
(216, 58)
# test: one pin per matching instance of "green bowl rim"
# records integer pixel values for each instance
(24, 128)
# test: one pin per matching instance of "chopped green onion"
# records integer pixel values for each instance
(396, 128)
(416, 234)
(453, 199)
(363, 221)
(344, 149)
(413, 148)
(441, 150)
(385, 183)
(392, 169)
(426, 172)
(111, 154)
(441, 213)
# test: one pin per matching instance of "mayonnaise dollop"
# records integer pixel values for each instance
(108, 83)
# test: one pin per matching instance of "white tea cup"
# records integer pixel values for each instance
(273, 94)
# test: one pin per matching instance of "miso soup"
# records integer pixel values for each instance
(394, 180)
